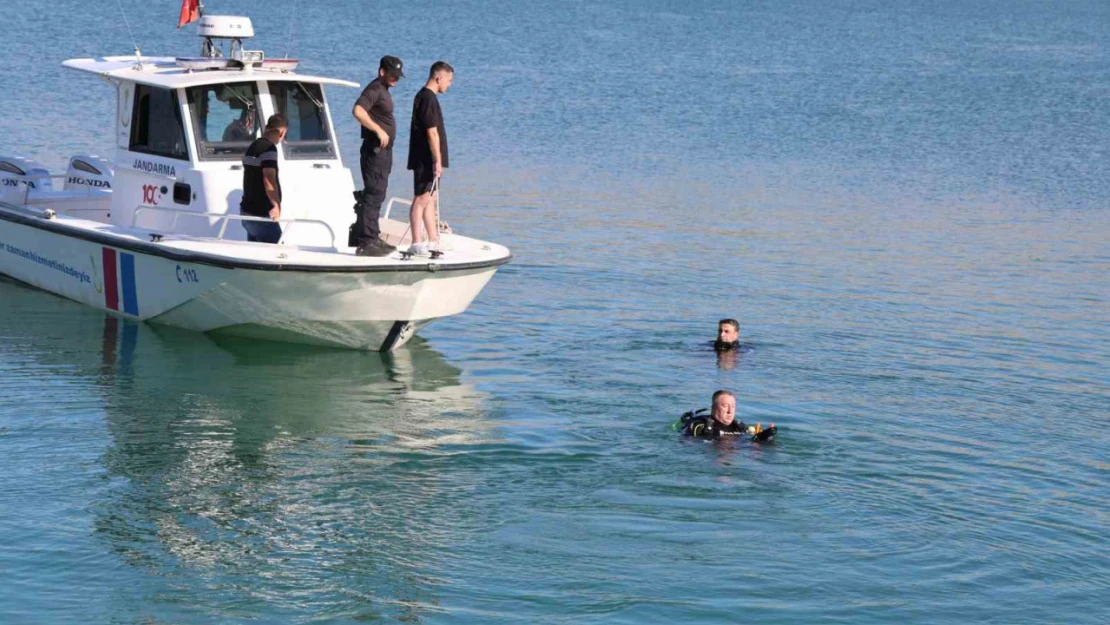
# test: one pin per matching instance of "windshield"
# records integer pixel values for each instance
(225, 119)
(303, 105)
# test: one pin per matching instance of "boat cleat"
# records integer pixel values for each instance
(433, 254)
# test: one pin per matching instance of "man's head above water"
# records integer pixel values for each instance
(728, 334)
(723, 407)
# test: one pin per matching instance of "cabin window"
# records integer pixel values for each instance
(303, 105)
(156, 126)
(225, 119)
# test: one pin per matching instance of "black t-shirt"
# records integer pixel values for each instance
(261, 154)
(378, 103)
(425, 114)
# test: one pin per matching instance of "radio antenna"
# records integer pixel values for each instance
(289, 37)
(126, 22)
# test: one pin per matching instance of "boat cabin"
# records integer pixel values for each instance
(183, 125)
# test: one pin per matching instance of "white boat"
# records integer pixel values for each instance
(155, 233)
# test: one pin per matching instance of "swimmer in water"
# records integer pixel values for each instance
(728, 335)
(721, 421)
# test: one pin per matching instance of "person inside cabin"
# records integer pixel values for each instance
(261, 185)
(241, 129)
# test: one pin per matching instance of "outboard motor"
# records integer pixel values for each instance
(88, 171)
(20, 176)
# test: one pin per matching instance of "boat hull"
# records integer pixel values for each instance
(371, 310)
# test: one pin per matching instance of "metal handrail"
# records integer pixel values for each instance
(22, 200)
(389, 205)
(227, 217)
(83, 209)
(42, 213)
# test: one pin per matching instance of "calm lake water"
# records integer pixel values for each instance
(904, 203)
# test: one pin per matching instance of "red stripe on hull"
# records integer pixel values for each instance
(111, 280)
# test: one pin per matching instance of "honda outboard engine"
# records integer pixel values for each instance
(20, 176)
(88, 171)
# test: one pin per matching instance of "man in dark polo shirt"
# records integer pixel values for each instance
(427, 155)
(261, 186)
(374, 112)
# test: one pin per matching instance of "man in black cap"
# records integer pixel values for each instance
(374, 112)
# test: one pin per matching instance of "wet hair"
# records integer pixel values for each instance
(276, 121)
(720, 393)
(440, 66)
(732, 322)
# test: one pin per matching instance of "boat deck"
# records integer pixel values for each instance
(459, 252)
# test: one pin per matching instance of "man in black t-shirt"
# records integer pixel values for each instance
(374, 112)
(261, 186)
(427, 155)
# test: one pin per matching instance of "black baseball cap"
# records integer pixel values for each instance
(392, 66)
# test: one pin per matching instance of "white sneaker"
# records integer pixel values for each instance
(418, 249)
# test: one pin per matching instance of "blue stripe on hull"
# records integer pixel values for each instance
(127, 275)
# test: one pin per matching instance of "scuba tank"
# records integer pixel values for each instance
(687, 417)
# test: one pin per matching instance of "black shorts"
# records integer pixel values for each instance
(422, 180)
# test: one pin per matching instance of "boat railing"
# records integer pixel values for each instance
(16, 195)
(389, 205)
(82, 209)
(226, 218)
(443, 227)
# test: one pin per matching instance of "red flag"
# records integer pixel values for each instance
(190, 12)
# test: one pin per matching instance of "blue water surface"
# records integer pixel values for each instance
(904, 204)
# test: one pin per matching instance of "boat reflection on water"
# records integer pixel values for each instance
(260, 474)
(412, 398)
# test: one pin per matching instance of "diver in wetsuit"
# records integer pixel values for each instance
(720, 421)
(728, 335)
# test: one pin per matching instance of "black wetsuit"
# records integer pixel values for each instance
(701, 424)
(721, 346)
(708, 427)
